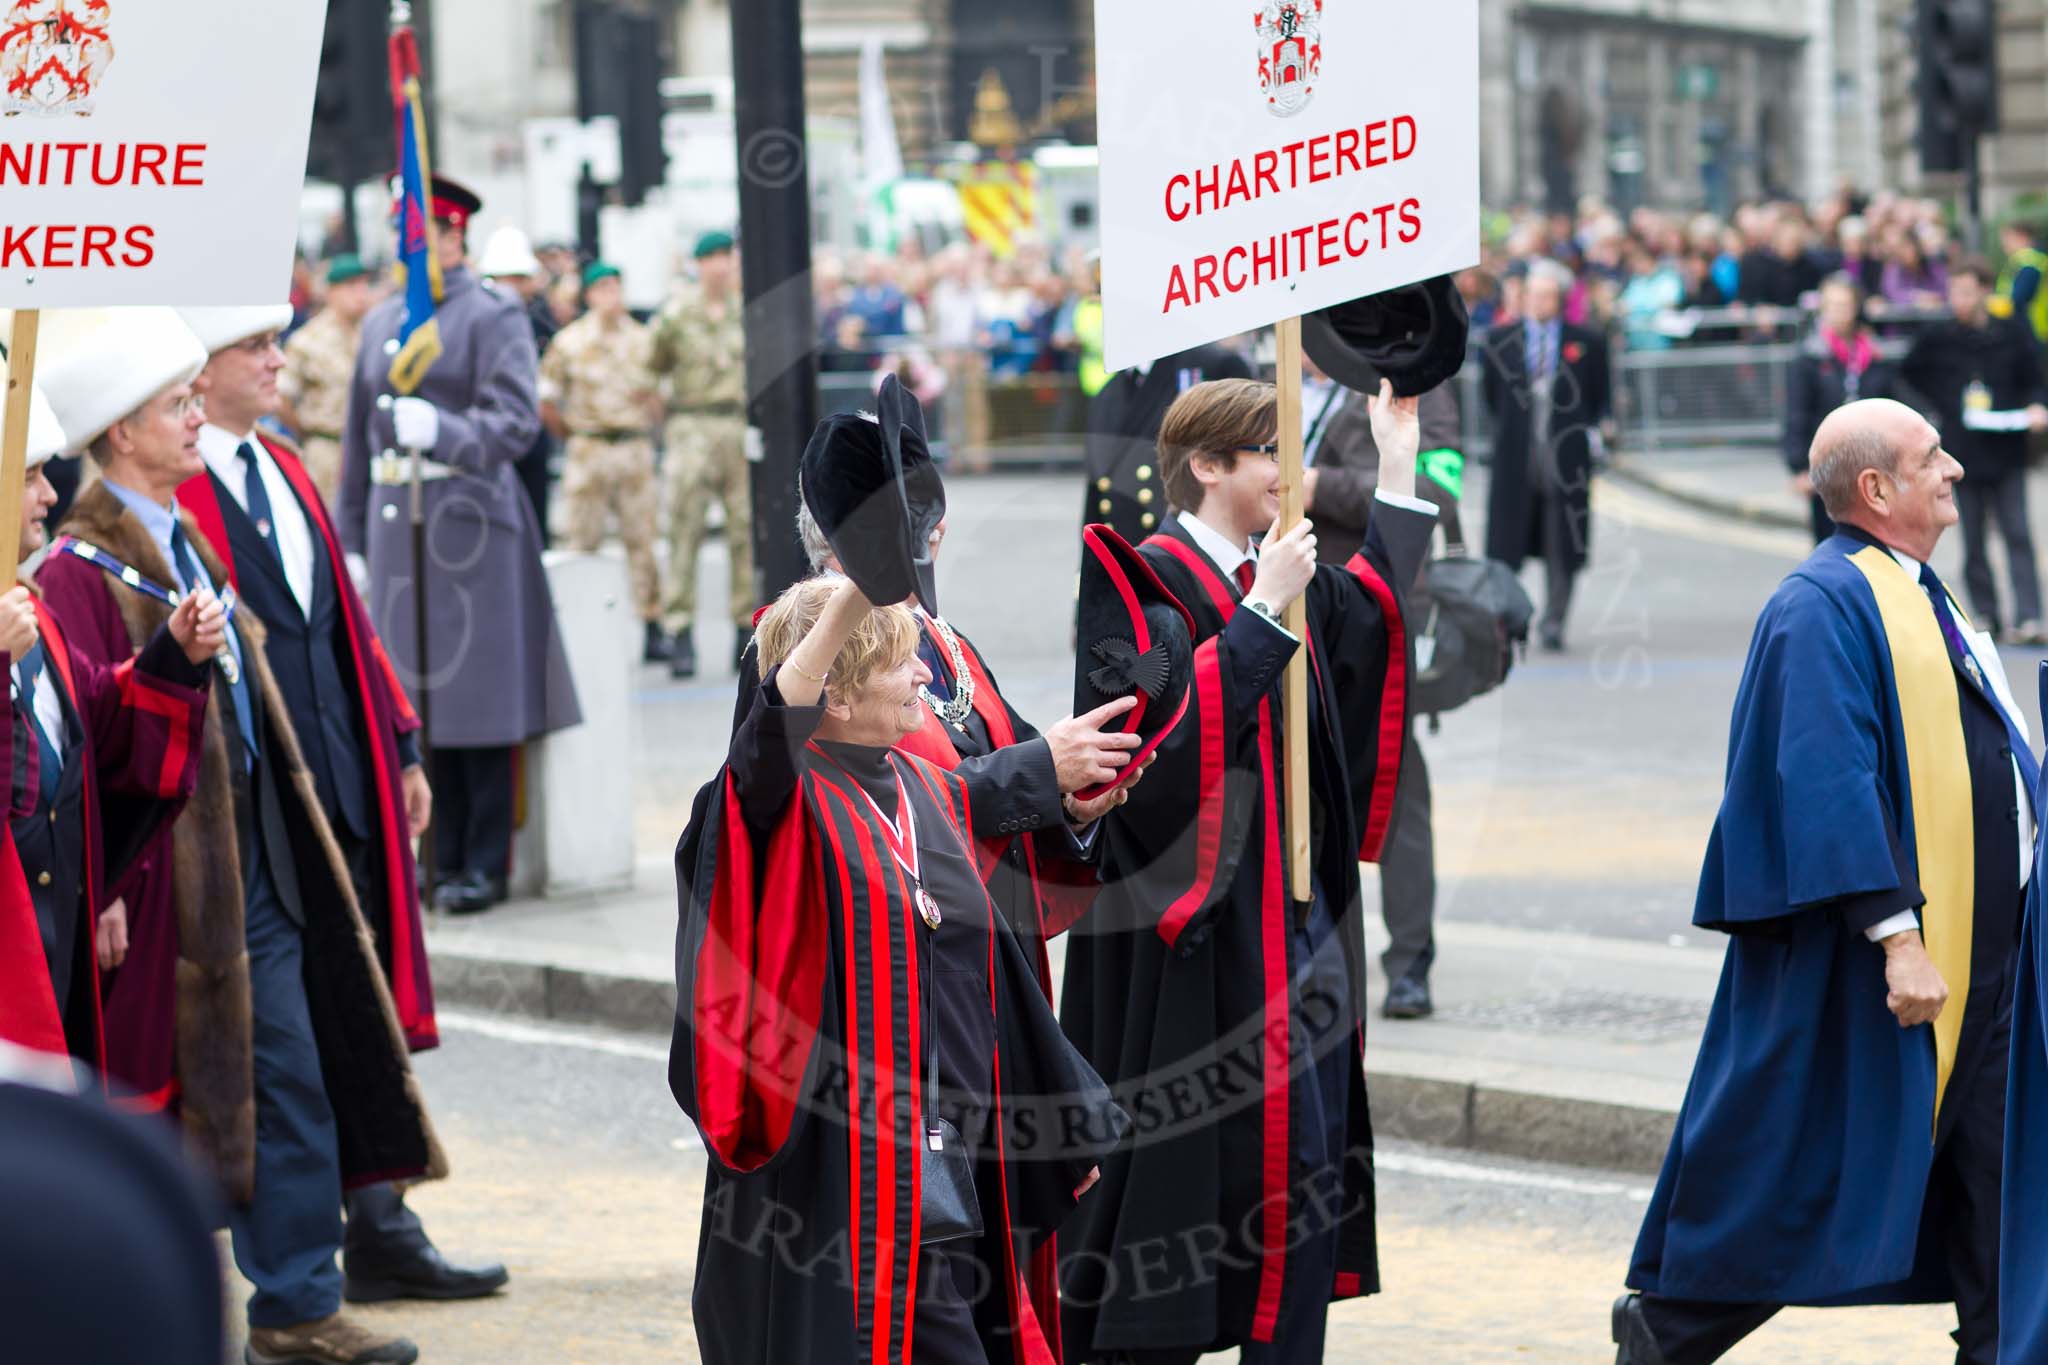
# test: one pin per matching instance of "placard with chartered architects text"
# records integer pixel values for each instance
(1265, 158)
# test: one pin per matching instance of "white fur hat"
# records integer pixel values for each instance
(508, 253)
(220, 328)
(45, 436)
(109, 362)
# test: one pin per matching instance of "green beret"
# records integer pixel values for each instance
(711, 243)
(343, 268)
(599, 270)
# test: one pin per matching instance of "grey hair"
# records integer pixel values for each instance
(1837, 466)
(1556, 272)
(817, 549)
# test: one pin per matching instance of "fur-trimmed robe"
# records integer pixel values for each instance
(178, 1012)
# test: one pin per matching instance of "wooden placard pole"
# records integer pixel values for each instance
(21, 368)
(1294, 713)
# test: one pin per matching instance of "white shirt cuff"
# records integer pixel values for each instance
(1292, 638)
(1897, 924)
(1422, 505)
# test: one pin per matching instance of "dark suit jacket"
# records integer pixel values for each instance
(1347, 465)
(1578, 401)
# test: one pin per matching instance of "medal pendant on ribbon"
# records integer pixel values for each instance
(229, 669)
(263, 527)
(929, 908)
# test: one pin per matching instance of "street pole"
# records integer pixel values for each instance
(775, 275)
(1973, 191)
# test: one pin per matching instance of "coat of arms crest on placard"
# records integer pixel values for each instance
(1290, 53)
(53, 55)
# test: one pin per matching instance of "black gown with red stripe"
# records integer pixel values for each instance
(1229, 1019)
(802, 970)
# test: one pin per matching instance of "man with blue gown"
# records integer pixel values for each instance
(1841, 1140)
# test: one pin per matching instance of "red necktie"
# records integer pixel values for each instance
(1244, 578)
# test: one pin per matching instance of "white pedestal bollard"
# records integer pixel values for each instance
(577, 837)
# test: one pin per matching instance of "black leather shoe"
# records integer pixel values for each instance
(469, 893)
(424, 1276)
(1553, 638)
(740, 642)
(1408, 998)
(653, 644)
(1635, 1345)
(682, 655)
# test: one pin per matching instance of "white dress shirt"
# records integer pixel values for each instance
(289, 529)
(1985, 651)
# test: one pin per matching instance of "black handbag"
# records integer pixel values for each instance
(949, 1210)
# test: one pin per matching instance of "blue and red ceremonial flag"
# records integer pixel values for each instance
(419, 336)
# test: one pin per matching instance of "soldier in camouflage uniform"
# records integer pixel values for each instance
(699, 351)
(597, 393)
(319, 365)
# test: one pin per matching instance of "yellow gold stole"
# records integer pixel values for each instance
(1938, 769)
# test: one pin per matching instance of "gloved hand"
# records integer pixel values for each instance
(416, 422)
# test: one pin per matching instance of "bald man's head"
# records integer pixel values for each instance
(1878, 465)
(1868, 434)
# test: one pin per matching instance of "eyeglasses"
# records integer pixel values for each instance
(1269, 450)
(191, 405)
(257, 344)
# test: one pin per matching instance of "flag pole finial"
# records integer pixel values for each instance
(401, 13)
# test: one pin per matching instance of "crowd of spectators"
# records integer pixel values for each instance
(1637, 274)
(918, 310)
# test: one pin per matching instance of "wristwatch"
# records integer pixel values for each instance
(1262, 609)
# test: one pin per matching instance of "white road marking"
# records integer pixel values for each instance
(1640, 508)
(1438, 1168)
(1403, 1163)
(552, 1035)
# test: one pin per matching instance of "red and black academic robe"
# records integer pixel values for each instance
(1190, 986)
(386, 724)
(800, 1052)
(132, 739)
(1038, 872)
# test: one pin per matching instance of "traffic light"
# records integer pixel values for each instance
(1957, 84)
(352, 138)
(618, 73)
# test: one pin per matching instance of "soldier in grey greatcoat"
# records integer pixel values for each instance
(496, 672)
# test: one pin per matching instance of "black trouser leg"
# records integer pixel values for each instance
(1695, 1332)
(451, 811)
(1408, 872)
(1973, 502)
(2009, 500)
(488, 841)
(381, 1229)
(1967, 1180)
(473, 808)
(1560, 555)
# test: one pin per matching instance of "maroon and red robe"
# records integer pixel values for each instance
(1189, 985)
(138, 728)
(800, 1051)
(387, 718)
(28, 1005)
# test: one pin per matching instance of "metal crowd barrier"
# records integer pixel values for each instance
(1694, 379)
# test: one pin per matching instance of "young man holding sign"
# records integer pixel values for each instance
(1229, 1013)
